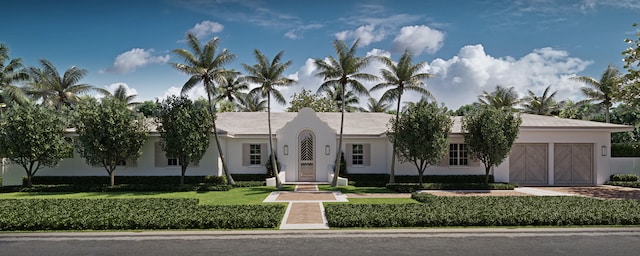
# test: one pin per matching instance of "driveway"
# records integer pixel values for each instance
(603, 191)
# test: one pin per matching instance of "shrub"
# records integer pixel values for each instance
(631, 184)
(623, 177)
(625, 149)
(412, 187)
(368, 180)
(249, 177)
(269, 166)
(118, 188)
(142, 180)
(119, 214)
(380, 180)
(254, 183)
(437, 211)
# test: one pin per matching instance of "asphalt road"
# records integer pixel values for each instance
(513, 242)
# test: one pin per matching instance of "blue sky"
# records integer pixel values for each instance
(470, 46)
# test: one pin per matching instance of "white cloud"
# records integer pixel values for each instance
(130, 91)
(367, 34)
(206, 28)
(298, 32)
(130, 60)
(193, 94)
(418, 39)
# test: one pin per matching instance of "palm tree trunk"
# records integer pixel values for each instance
(392, 175)
(230, 180)
(607, 115)
(336, 170)
(273, 153)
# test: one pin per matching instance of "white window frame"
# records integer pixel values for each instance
(255, 154)
(458, 155)
(173, 162)
(357, 154)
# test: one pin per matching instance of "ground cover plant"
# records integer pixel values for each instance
(436, 211)
(125, 214)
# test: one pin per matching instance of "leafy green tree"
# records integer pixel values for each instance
(350, 100)
(540, 105)
(149, 108)
(502, 98)
(420, 135)
(308, 99)
(11, 73)
(204, 66)
(185, 131)
(121, 94)
(465, 110)
(490, 133)
(632, 57)
(268, 74)
(56, 90)
(343, 71)
(605, 91)
(398, 78)
(33, 137)
(109, 134)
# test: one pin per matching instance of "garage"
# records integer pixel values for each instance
(528, 164)
(573, 164)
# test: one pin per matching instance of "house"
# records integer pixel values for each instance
(548, 150)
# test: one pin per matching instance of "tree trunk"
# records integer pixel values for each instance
(29, 178)
(420, 175)
(273, 153)
(336, 169)
(112, 177)
(487, 169)
(184, 170)
(215, 135)
(392, 175)
(607, 115)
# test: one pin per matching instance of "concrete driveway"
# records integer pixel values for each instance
(602, 191)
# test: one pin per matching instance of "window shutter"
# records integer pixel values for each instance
(160, 157)
(445, 159)
(348, 157)
(245, 154)
(366, 148)
(263, 153)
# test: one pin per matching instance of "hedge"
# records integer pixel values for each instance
(438, 211)
(249, 177)
(117, 188)
(144, 180)
(624, 177)
(380, 180)
(127, 214)
(625, 150)
(413, 187)
(631, 184)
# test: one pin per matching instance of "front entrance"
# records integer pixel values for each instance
(306, 156)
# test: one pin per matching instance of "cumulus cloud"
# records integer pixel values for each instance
(418, 39)
(195, 93)
(113, 87)
(205, 28)
(367, 34)
(130, 60)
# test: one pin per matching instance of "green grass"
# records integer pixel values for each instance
(356, 190)
(250, 195)
(377, 201)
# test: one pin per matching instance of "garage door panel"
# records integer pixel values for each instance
(562, 163)
(517, 163)
(528, 164)
(573, 164)
(582, 163)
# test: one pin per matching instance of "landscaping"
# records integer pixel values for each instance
(436, 211)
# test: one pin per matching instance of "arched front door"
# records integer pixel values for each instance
(306, 157)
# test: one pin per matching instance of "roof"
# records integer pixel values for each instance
(376, 124)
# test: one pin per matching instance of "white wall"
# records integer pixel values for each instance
(234, 156)
(625, 165)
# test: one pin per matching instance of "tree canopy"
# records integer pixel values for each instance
(308, 99)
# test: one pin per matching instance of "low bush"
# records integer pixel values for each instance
(630, 184)
(143, 180)
(380, 180)
(249, 177)
(246, 184)
(625, 149)
(624, 177)
(117, 188)
(412, 187)
(436, 211)
(126, 214)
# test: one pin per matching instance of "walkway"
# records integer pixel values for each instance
(305, 209)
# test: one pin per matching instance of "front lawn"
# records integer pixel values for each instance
(248, 195)
(437, 211)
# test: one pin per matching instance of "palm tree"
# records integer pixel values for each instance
(206, 67)
(55, 90)
(11, 73)
(540, 105)
(502, 98)
(349, 99)
(253, 103)
(378, 106)
(121, 94)
(231, 89)
(343, 71)
(268, 74)
(606, 91)
(400, 77)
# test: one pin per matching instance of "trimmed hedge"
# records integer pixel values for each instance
(246, 184)
(625, 150)
(143, 180)
(631, 184)
(126, 214)
(438, 211)
(624, 177)
(381, 180)
(413, 187)
(249, 177)
(117, 188)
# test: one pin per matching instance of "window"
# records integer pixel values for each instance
(357, 154)
(255, 154)
(458, 155)
(173, 162)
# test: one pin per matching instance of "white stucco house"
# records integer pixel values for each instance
(548, 150)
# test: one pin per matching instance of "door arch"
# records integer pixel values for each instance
(306, 156)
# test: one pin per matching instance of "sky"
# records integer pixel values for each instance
(468, 46)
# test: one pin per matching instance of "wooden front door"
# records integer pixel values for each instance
(306, 157)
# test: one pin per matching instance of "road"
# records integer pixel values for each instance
(513, 242)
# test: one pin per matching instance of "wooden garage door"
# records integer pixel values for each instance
(573, 164)
(528, 164)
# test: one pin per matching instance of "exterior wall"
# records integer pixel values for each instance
(625, 165)
(145, 166)
(234, 156)
(601, 164)
(378, 155)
